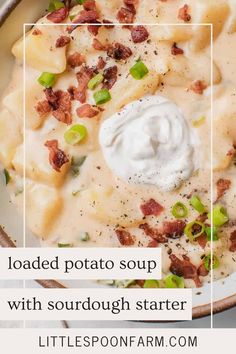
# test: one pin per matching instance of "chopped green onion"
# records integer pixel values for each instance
(62, 245)
(192, 233)
(173, 281)
(139, 70)
(80, 2)
(102, 96)
(72, 17)
(198, 122)
(151, 284)
(220, 216)
(207, 262)
(75, 193)
(95, 81)
(84, 236)
(197, 204)
(76, 163)
(212, 230)
(75, 134)
(55, 5)
(47, 79)
(179, 210)
(7, 176)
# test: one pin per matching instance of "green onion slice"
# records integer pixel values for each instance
(207, 262)
(7, 176)
(198, 122)
(194, 230)
(80, 2)
(139, 70)
(47, 79)
(212, 230)
(197, 204)
(173, 281)
(179, 210)
(95, 81)
(84, 236)
(102, 96)
(151, 284)
(75, 134)
(76, 163)
(55, 5)
(220, 216)
(62, 245)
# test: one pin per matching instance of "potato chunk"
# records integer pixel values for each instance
(43, 204)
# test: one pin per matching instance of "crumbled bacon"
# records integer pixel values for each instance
(62, 41)
(90, 16)
(126, 15)
(139, 34)
(153, 233)
(198, 87)
(94, 29)
(151, 207)
(108, 24)
(202, 217)
(184, 14)
(202, 240)
(232, 247)
(202, 271)
(98, 45)
(36, 32)
(57, 157)
(75, 59)
(101, 63)
(125, 238)
(89, 5)
(83, 77)
(60, 102)
(43, 108)
(222, 186)
(119, 52)
(87, 111)
(110, 77)
(153, 244)
(184, 268)
(176, 50)
(58, 15)
(130, 2)
(173, 229)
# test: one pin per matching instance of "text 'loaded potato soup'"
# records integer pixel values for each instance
(118, 131)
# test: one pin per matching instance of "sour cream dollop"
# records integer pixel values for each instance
(150, 142)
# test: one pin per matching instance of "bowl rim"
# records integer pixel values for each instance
(197, 312)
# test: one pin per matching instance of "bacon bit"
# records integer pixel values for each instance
(140, 283)
(110, 77)
(94, 29)
(184, 268)
(90, 16)
(109, 24)
(153, 244)
(60, 102)
(202, 271)
(130, 2)
(173, 229)
(43, 108)
(198, 87)
(151, 207)
(36, 32)
(183, 13)
(83, 77)
(90, 5)
(202, 240)
(126, 15)
(176, 50)
(58, 15)
(101, 63)
(232, 247)
(98, 45)
(87, 111)
(125, 238)
(153, 233)
(202, 218)
(222, 186)
(57, 157)
(62, 41)
(139, 34)
(75, 59)
(119, 52)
